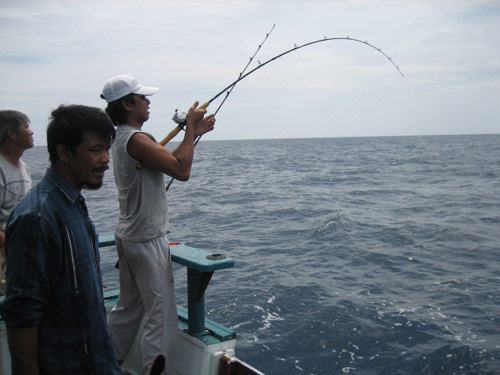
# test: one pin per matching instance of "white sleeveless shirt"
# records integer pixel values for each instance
(141, 192)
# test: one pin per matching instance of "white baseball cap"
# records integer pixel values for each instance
(119, 86)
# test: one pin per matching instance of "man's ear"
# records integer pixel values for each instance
(12, 134)
(128, 104)
(62, 153)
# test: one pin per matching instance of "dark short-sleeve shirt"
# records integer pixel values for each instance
(54, 280)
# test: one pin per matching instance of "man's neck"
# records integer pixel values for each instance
(135, 125)
(63, 171)
(11, 154)
(132, 121)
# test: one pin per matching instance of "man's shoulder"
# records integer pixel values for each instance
(23, 164)
(143, 137)
(127, 131)
(9, 172)
(4, 166)
(42, 196)
(42, 207)
(130, 138)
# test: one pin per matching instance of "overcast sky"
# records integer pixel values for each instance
(54, 52)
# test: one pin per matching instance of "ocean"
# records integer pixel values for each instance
(376, 255)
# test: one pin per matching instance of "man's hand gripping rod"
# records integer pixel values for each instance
(180, 118)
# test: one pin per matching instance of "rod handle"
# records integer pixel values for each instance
(170, 135)
(204, 105)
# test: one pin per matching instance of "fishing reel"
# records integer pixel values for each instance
(180, 117)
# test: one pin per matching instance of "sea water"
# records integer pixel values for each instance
(352, 255)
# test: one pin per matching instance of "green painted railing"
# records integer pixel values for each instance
(201, 265)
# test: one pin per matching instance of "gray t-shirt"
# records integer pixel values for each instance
(141, 192)
(14, 184)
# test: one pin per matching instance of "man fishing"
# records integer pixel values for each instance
(139, 165)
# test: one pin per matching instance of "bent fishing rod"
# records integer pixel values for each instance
(206, 104)
(176, 130)
(180, 116)
(261, 65)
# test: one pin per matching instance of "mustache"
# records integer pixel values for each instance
(101, 169)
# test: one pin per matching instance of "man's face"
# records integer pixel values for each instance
(24, 136)
(140, 108)
(86, 166)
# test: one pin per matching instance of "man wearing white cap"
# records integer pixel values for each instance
(146, 279)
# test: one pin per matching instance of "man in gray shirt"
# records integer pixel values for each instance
(15, 137)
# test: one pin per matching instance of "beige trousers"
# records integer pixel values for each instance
(146, 291)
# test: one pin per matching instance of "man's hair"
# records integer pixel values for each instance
(115, 109)
(11, 120)
(69, 124)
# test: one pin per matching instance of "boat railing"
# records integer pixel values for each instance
(201, 265)
(206, 347)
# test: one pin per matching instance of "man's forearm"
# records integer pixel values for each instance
(185, 151)
(23, 347)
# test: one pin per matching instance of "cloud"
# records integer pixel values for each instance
(56, 52)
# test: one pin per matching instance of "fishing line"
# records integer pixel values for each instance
(261, 65)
